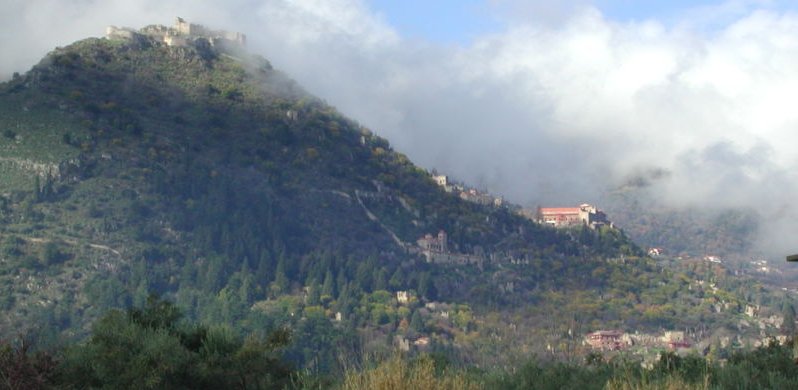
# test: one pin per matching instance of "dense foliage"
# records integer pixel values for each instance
(153, 347)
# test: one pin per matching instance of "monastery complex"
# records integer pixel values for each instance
(182, 33)
(584, 214)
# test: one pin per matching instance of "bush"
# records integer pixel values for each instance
(50, 254)
(20, 368)
(11, 246)
(398, 373)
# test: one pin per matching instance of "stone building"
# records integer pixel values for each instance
(403, 297)
(441, 180)
(432, 243)
(197, 30)
(608, 340)
(584, 214)
(182, 33)
(675, 340)
(436, 250)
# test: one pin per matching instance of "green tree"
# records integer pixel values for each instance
(426, 286)
(788, 311)
(397, 280)
(463, 319)
(280, 284)
(314, 295)
(381, 280)
(12, 245)
(151, 348)
(263, 271)
(328, 289)
(50, 254)
(37, 188)
(141, 294)
(417, 323)
(246, 284)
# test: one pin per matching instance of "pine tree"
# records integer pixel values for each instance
(314, 295)
(246, 291)
(37, 189)
(262, 271)
(788, 311)
(344, 301)
(280, 284)
(397, 279)
(213, 274)
(47, 189)
(328, 289)
(381, 280)
(417, 323)
(364, 275)
(141, 294)
(426, 287)
(341, 280)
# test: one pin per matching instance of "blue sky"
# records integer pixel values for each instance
(646, 9)
(439, 20)
(459, 21)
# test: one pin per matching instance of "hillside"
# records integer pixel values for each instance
(688, 231)
(198, 172)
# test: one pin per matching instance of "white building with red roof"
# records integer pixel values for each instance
(584, 214)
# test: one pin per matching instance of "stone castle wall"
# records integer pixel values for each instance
(182, 33)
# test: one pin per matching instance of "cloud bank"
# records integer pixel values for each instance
(543, 112)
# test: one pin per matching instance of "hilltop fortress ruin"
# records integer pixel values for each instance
(182, 33)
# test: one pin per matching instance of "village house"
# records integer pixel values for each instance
(606, 340)
(584, 214)
(422, 342)
(404, 297)
(713, 259)
(761, 266)
(656, 252)
(467, 194)
(474, 196)
(752, 310)
(675, 340)
(441, 180)
(418, 342)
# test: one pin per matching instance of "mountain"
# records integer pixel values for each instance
(169, 160)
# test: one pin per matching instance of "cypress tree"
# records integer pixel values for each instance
(314, 295)
(788, 311)
(280, 285)
(381, 280)
(328, 288)
(397, 279)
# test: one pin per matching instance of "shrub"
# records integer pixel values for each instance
(398, 373)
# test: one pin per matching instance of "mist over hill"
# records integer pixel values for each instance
(171, 160)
